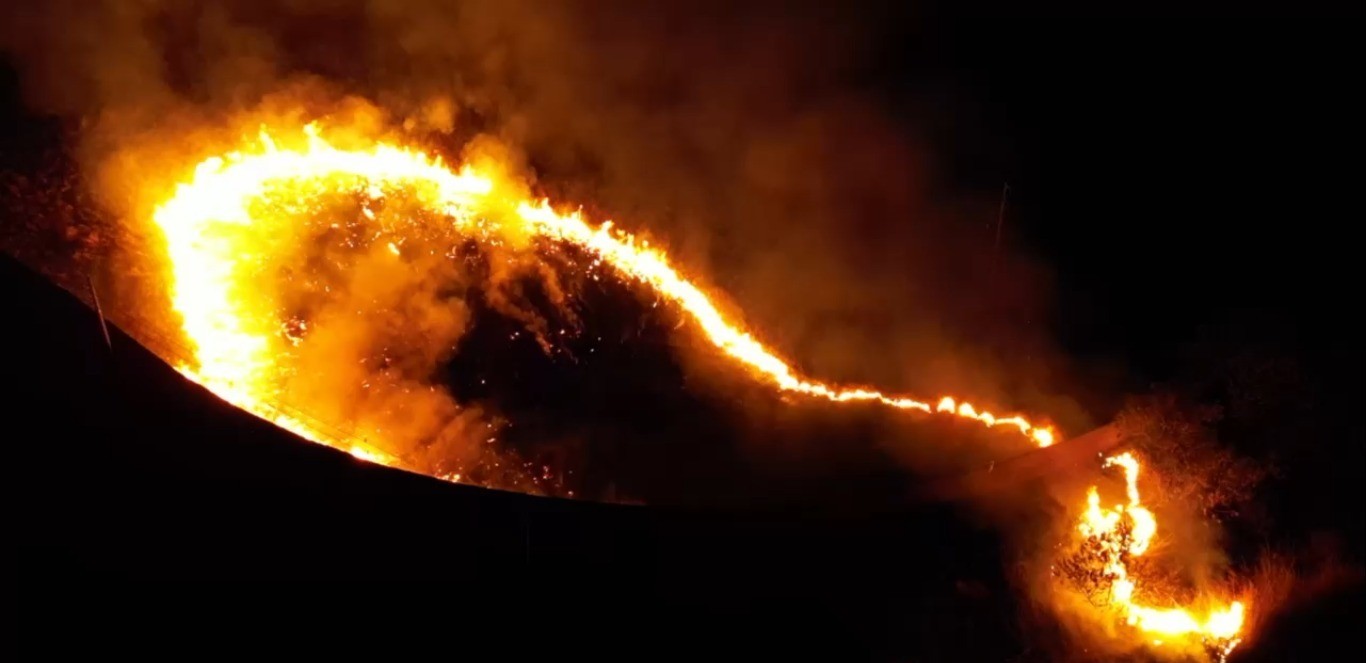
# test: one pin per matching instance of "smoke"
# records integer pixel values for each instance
(755, 142)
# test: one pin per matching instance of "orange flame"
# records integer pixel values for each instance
(232, 340)
(1127, 531)
(234, 336)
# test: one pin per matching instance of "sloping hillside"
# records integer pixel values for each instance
(122, 469)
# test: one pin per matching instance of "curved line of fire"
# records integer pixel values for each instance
(234, 361)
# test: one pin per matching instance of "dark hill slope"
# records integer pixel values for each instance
(121, 469)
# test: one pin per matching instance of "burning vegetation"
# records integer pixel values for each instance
(1104, 563)
(274, 284)
(315, 268)
(285, 261)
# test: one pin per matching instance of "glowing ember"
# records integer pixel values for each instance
(235, 330)
(1126, 531)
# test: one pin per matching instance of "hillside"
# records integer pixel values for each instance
(124, 470)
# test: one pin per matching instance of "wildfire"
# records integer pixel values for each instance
(236, 332)
(1126, 531)
(225, 238)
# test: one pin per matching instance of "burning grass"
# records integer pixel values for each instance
(278, 305)
(317, 281)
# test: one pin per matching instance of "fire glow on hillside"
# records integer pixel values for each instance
(264, 322)
(1110, 539)
(218, 235)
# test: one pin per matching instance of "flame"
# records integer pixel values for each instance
(236, 334)
(1127, 531)
(232, 333)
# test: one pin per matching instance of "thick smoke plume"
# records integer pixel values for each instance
(752, 141)
(756, 142)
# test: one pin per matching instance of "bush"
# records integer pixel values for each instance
(1184, 459)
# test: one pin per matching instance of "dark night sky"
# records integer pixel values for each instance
(1174, 173)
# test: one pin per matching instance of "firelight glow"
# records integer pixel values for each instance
(228, 222)
(232, 327)
(1125, 532)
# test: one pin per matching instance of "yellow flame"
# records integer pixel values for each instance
(232, 345)
(1220, 627)
(233, 337)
